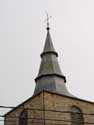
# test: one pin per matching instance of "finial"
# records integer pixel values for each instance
(47, 19)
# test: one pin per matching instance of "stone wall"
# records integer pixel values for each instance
(57, 110)
(32, 107)
(60, 107)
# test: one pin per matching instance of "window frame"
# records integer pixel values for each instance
(23, 117)
(76, 112)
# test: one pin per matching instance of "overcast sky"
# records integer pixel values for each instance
(22, 37)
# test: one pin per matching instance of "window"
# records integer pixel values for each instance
(76, 116)
(23, 118)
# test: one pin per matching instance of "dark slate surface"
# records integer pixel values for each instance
(50, 77)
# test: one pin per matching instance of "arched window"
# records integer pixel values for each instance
(76, 116)
(23, 118)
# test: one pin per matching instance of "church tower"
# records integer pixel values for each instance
(50, 77)
(51, 103)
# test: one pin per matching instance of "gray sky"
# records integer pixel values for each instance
(22, 37)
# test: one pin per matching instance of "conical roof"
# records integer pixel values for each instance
(48, 48)
(50, 77)
(49, 63)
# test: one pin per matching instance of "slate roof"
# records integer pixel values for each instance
(50, 77)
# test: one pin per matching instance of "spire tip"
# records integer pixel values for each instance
(48, 28)
(47, 20)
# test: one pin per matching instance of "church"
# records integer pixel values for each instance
(51, 103)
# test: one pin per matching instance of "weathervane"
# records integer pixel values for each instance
(47, 20)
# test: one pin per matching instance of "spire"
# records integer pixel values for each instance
(50, 77)
(48, 48)
(49, 64)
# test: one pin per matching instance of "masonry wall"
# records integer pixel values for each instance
(31, 107)
(57, 110)
(60, 107)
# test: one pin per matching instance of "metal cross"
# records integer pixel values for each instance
(47, 19)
